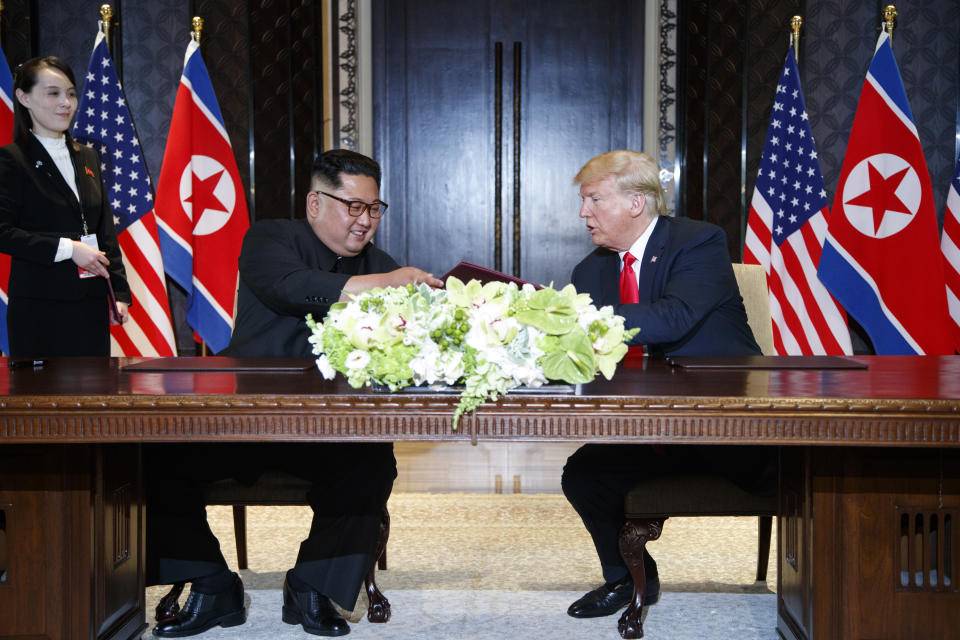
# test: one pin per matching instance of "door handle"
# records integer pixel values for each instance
(497, 155)
(517, 88)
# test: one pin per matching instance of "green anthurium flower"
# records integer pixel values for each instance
(568, 357)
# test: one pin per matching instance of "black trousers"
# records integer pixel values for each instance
(350, 485)
(43, 328)
(597, 478)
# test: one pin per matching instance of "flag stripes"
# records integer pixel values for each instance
(786, 226)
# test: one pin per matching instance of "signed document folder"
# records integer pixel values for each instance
(765, 362)
(221, 364)
(467, 271)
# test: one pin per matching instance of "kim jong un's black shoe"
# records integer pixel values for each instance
(313, 611)
(204, 611)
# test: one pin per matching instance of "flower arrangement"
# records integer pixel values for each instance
(490, 337)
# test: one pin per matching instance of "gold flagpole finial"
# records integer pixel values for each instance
(889, 16)
(197, 28)
(1, 15)
(106, 16)
(795, 23)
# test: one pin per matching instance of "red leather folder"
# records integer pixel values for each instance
(467, 271)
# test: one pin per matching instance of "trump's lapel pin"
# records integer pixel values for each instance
(38, 165)
(89, 172)
(653, 259)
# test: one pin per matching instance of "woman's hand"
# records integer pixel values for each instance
(124, 310)
(90, 259)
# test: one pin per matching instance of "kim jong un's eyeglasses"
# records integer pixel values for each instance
(356, 208)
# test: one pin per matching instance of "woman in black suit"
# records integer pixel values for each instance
(56, 224)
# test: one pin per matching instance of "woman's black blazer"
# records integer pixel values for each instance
(37, 208)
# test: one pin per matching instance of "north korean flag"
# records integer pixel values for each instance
(201, 206)
(881, 258)
(6, 137)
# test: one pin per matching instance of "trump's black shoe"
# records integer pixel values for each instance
(313, 611)
(203, 611)
(609, 598)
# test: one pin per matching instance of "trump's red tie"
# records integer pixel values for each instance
(628, 280)
(629, 292)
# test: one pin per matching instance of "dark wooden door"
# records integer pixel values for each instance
(484, 110)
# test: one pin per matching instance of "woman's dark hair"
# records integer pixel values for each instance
(24, 77)
(330, 164)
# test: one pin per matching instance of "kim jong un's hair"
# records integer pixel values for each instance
(330, 165)
(635, 173)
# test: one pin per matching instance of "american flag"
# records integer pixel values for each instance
(950, 246)
(103, 123)
(786, 227)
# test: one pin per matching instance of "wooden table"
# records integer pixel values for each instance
(869, 490)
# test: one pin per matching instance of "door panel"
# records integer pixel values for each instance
(576, 84)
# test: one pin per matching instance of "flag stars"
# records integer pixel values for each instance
(134, 175)
(793, 111)
(813, 154)
(775, 141)
(117, 171)
(796, 185)
(132, 209)
(823, 193)
(104, 97)
(90, 112)
(104, 115)
(806, 206)
(781, 88)
(115, 204)
(119, 119)
(132, 192)
(795, 93)
(117, 187)
(104, 62)
(118, 154)
(808, 190)
(770, 191)
(779, 230)
(775, 124)
(779, 213)
(803, 116)
(789, 146)
(89, 129)
(778, 106)
(118, 137)
(772, 174)
(120, 102)
(794, 202)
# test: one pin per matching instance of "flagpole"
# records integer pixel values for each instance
(795, 23)
(197, 24)
(106, 15)
(197, 28)
(889, 16)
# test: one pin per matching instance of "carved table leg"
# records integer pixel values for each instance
(634, 536)
(169, 605)
(379, 608)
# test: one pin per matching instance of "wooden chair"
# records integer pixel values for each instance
(648, 504)
(271, 489)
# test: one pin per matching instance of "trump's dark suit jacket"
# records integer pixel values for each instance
(286, 272)
(689, 300)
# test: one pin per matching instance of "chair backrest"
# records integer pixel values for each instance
(752, 281)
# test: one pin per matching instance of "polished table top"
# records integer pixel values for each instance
(896, 400)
